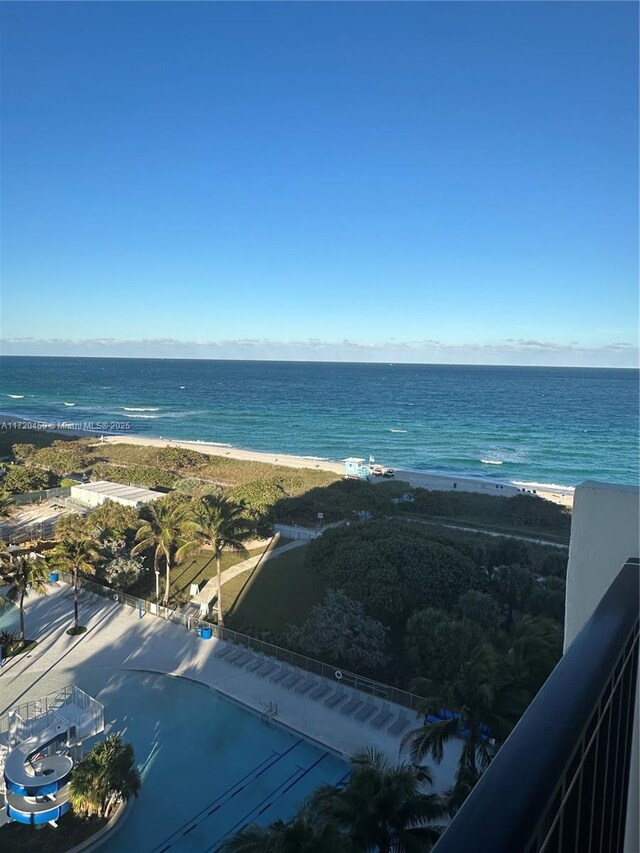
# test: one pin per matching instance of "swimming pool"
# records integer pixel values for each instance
(9, 617)
(208, 765)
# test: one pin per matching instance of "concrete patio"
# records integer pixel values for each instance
(117, 639)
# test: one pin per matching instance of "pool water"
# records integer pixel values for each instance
(9, 617)
(208, 766)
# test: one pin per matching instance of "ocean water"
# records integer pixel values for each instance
(529, 424)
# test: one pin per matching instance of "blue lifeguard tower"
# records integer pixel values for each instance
(356, 468)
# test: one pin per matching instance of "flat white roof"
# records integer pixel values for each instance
(132, 493)
(353, 459)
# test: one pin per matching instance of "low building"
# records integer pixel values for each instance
(95, 494)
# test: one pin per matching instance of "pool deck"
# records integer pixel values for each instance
(118, 639)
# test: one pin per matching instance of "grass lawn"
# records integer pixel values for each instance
(233, 588)
(281, 592)
(196, 569)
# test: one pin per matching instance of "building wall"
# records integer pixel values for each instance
(605, 532)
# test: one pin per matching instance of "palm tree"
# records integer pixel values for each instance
(105, 777)
(486, 711)
(383, 807)
(512, 585)
(75, 556)
(306, 832)
(168, 529)
(27, 574)
(222, 526)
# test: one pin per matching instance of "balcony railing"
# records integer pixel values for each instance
(559, 783)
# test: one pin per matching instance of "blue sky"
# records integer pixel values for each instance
(437, 182)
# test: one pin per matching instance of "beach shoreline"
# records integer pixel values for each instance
(437, 481)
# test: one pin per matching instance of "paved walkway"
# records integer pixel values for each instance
(117, 640)
(210, 590)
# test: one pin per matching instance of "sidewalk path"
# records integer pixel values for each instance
(210, 590)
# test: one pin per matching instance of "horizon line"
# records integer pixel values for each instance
(325, 361)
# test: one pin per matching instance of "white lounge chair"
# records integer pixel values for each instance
(320, 691)
(337, 697)
(352, 704)
(366, 711)
(382, 717)
(400, 724)
(308, 684)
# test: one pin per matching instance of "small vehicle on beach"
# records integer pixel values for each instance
(389, 472)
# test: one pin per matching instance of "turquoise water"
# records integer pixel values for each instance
(208, 766)
(9, 618)
(547, 425)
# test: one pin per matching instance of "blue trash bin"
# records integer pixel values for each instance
(53, 577)
(206, 633)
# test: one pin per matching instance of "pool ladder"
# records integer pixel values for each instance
(269, 712)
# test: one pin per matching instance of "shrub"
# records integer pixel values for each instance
(63, 456)
(259, 499)
(7, 640)
(137, 475)
(26, 478)
(339, 629)
(104, 778)
(178, 458)
(123, 572)
(22, 452)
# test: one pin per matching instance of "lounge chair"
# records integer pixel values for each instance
(293, 679)
(366, 711)
(400, 724)
(256, 663)
(266, 668)
(238, 652)
(242, 659)
(224, 651)
(320, 691)
(306, 685)
(281, 674)
(352, 704)
(383, 717)
(337, 697)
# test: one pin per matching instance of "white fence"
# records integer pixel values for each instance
(191, 623)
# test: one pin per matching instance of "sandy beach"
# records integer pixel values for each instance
(416, 478)
(423, 479)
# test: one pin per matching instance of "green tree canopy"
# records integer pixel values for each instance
(112, 520)
(339, 630)
(439, 644)
(391, 568)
